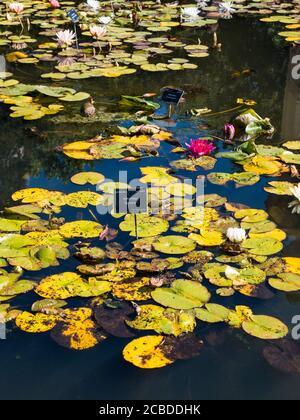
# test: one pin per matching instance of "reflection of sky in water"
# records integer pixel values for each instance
(231, 366)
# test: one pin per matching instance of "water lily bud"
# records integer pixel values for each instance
(236, 234)
(18, 269)
(16, 7)
(229, 131)
(156, 281)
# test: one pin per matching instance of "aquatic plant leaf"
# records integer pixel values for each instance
(183, 294)
(83, 178)
(207, 237)
(34, 195)
(286, 282)
(205, 162)
(212, 313)
(279, 187)
(11, 225)
(113, 321)
(132, 289)
(161, 320)
(90, 254)
(264, 165)
(184, 347)
(245, 178)
(237, 316)
(81, 199)
(258, 291)
(289, 157)
(157, 176)
(265, 327)
(145, 353)
(292, 265)
(218, 178)
(148, 318)
(174, 244)
(76, 97)
(36, 323)
(135, 102)
(180, 189)
(77, 335)
(292, 145)
(65, 285)
(48, 305)
(79, 149)
(262, 246)
(17, 288)
(278, 234)
(81, 229)
(146, 225)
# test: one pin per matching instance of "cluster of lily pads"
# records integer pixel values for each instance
(165, 279)
(30, 101)
(112, 39)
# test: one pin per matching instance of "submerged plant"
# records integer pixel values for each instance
(200, 147)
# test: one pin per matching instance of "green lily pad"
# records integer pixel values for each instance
(183, 294)
(173, 244)
(265, 327)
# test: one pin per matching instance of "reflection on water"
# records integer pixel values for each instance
(231, 365)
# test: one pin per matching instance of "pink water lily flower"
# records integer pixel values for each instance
(200, 147)
(54, 4)
(16, 7)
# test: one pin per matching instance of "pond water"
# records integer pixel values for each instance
(231, 364)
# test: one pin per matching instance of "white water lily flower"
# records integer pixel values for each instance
(190, 13)
(236, 234)
(105, 20)
(296, 191)
(98, 31)
(231, 273)
(226, 7)
(65, 38)
(93, 4)
(202, 3)
(295, 205)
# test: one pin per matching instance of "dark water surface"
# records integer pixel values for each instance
(232, 365)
